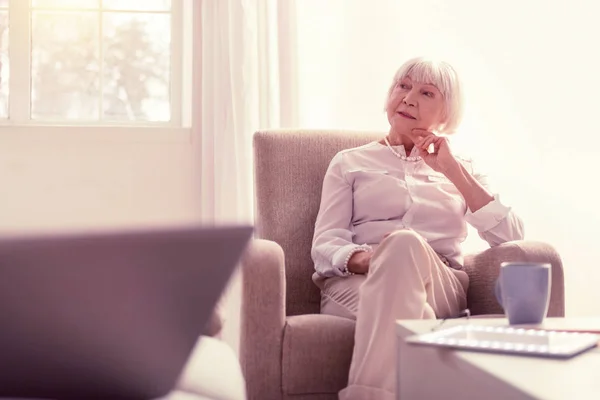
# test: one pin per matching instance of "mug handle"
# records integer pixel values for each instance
(498, 291)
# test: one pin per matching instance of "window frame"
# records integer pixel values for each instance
(20, 82)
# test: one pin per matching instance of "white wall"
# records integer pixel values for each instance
(531, 76)
(61, 183)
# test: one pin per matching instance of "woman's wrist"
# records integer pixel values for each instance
(453, 170)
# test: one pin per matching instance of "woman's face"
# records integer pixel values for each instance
(415, 105)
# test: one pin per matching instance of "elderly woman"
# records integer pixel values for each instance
(393, 215)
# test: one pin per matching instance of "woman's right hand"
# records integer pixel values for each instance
(359, 262)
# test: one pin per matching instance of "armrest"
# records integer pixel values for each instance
(262, 318)
(483, 269)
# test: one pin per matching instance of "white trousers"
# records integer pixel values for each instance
(406, 280)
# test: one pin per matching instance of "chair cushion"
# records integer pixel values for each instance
(317, 351)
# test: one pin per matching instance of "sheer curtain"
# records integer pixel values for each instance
(243, 68)
(532, 89)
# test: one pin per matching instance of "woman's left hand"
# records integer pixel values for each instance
(441, 159)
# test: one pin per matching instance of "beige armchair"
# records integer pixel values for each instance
(287, 349)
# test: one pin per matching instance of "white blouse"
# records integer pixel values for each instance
(369, 192)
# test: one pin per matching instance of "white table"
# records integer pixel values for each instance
(427, 372)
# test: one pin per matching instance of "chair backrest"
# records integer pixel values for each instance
(289, 170)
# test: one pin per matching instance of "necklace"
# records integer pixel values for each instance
(400, 156)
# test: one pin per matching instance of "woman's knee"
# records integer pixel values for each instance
(397, 252)
(404, 238)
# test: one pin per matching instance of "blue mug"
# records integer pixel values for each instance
(523, 291)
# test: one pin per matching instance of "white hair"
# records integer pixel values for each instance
(441, 75)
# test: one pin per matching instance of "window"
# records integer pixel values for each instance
(96, 62)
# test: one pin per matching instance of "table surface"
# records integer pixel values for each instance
(543, 378)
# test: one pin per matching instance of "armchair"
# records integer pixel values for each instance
(287, 349)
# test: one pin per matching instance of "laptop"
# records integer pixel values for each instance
(108, 314)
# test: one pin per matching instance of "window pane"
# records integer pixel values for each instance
(137, 5)
(65, 3)
(137, 55)
(4, 64)
(65, 66)
(4, 3)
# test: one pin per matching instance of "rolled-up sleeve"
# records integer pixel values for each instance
(332, 240)
(495, 222)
